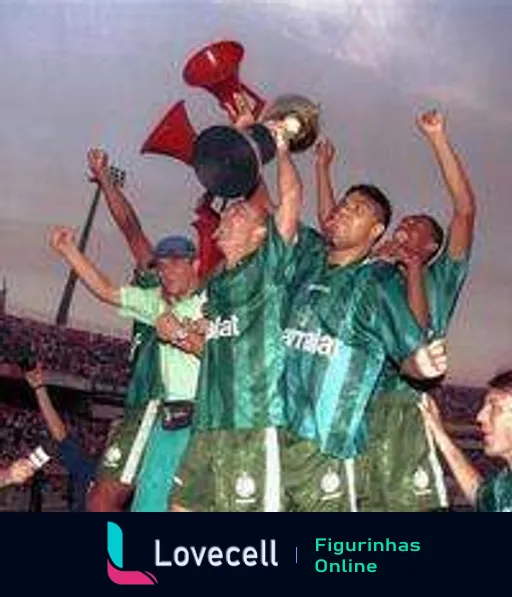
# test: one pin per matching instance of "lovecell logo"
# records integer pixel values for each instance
(115, 561)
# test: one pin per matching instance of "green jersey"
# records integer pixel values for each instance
(243, 356)
(443, 283)
(495, 494)
(343, 325)
(178, 369)
(145, 376)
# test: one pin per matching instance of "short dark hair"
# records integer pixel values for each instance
(502, 381)
(378, 197)
(437, 229)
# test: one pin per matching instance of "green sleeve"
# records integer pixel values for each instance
(393, 322)
(141, 304)
(485, 497)
(309, 252)
(276, 253)
(444, 281)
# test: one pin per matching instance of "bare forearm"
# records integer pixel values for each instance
(290, 195)
(53, 421)
(325, 192)
(88, 273)
(464, 472)
(127, 220)
(454, 175)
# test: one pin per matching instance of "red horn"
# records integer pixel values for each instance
(215, 68)
(173, 136)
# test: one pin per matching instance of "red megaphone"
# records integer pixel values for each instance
(173, 136)
(215, 68)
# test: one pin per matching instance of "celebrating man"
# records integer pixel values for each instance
(495, 421)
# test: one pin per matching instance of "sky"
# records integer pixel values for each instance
(101, 73)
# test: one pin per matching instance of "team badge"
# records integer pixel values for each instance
(420, 479)
(245, 486)
(113, 456)
(330, 482)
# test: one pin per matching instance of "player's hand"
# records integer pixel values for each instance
(20, 471)
(431, 415)
(325, 152)
(170, 329)
(97, 160)
(431, 123)
(35, 377)
(198, 326)
(399, 254)
(62, 238)
(242, 115)
(431, 360)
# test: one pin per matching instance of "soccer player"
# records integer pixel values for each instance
(344, 324)
(233, 461)
(495, 420)
(165, 418)
(405, 473)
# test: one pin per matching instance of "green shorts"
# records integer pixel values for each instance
(125, 447)
(400, 470)
(265, 470)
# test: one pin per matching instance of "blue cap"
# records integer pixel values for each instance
(174, 246)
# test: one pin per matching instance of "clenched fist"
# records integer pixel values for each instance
(431, 123)
(97, 159)
(62, 238)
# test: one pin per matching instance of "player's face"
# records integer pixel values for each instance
(176, 274)
(417, 233)
(237, 226)
(353, 222)
(495, 420)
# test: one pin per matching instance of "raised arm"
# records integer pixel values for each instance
(325, 153)
(464, 472)
(288, 212)
(120, 208)
(433, 126)
(62, 242)
(52, 418)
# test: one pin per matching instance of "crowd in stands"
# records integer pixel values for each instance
(94, 357)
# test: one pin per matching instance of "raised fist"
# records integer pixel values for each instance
(62, 238)
(35, 377)
(431, 123)
(97, 160)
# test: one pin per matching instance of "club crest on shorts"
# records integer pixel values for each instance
(245, 488)
(421, 481)
(112, 458)
(330, 485)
